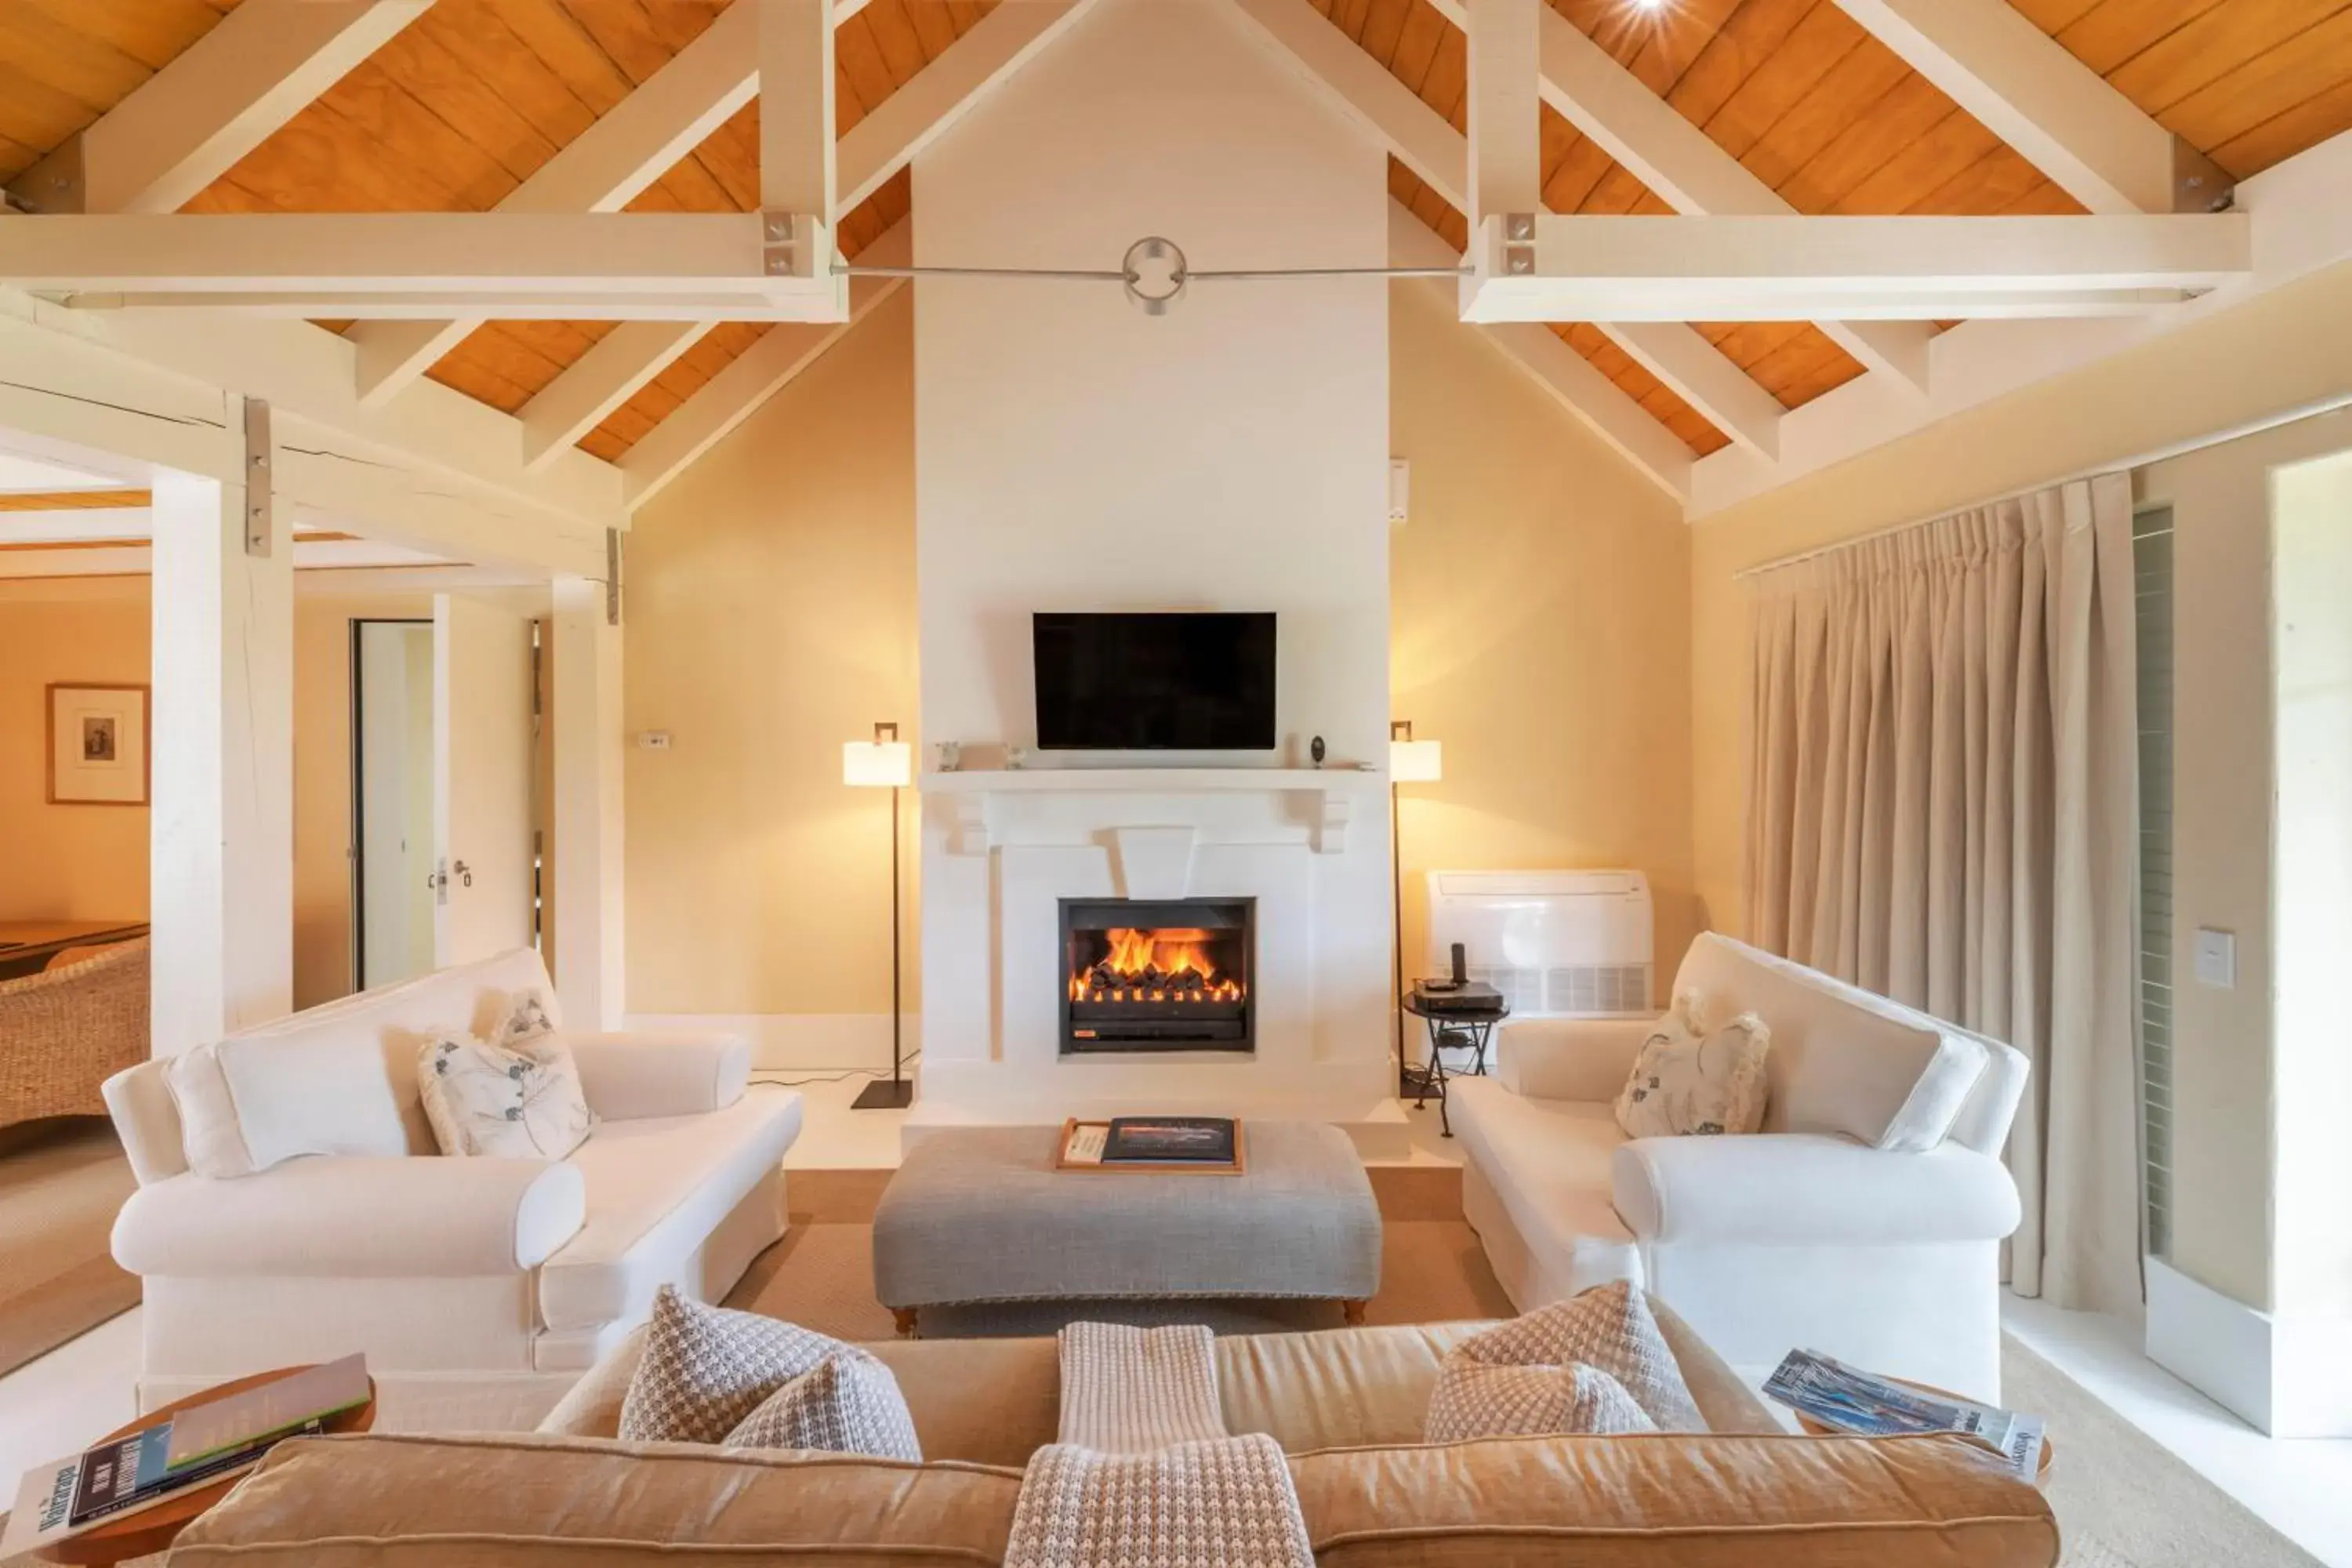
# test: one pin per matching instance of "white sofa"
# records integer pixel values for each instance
(479, 1288)
(1807, 1234)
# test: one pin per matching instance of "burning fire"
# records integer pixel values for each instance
(1167, 965)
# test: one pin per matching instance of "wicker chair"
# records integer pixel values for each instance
(67, 1030)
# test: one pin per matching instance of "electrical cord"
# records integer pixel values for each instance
(842, 1076)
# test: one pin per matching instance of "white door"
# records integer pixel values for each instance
(395, 834)
(481, 768)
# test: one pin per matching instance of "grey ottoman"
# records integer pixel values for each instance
(980, 1215)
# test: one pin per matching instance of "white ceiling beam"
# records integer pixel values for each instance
(798, 159)
(1567, 377)
(1506, 111)
(758, 374)
(499, 256)
(2302, 226)
(1421, 138)
(184, 127)
(1683, 166)
(1793, 268)
(934, 98)
(2025, 87)
(433, 469)
(603, 169)
(599, 382)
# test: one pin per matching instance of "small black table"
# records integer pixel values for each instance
(1451, 1030)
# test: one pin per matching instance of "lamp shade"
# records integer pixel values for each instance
(879, 764)
(1416, 762)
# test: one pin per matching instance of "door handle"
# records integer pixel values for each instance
(465, 873)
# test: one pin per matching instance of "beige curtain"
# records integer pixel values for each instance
(1944, 809)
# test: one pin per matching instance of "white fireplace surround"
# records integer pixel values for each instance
(1003, 849)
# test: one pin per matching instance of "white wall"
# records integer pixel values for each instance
(1072, 453)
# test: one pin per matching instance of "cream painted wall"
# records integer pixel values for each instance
(65, 862)
(770, 618)
(2264, 360)
(1539, 631)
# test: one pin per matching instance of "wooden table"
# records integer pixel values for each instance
(145, 1531)
(27, 945)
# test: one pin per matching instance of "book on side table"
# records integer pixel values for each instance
(205, 1442)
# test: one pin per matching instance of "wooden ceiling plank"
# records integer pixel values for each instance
(625, 33)
(1384, 27)
(1671, 43)
(2211, 46)
(1793, 73)
(1744, 45)
(2028, 90)
(600, 170)
(2290, 72)
(862, 61)
(728, 398)
(2309, 123)
(36, 114)
(1416, 49)
(1912, 109)
(567, 49)
(1449, 78)
(453, 92)
(890, 137)
(2112, 31)
(1853, 89)
(935, 27)
(153, 32)
(189, 122)
(90, 71)
(894, 32)
(1955, 143)
(1350, 16)
(1985, 187)
(1704, 379)
(528, 83)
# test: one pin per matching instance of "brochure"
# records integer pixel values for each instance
(1855, 1401)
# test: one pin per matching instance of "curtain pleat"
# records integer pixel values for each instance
(1944, 809)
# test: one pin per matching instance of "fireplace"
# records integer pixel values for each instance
(1152, 975)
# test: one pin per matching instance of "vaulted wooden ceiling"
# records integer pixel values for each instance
(457, 109)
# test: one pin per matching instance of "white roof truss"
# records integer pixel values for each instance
(184, 126)
(2025, 87)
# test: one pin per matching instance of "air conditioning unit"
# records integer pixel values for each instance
(1557, 944)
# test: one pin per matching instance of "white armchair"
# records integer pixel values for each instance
(1865, 1221)
(479, 1288)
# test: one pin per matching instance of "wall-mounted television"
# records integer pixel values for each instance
(1163, 681)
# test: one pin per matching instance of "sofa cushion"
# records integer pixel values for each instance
(656, 1189)
(521, 1500)
(339, 1078)
(1475, 1400)
(516, 1100)
(847, 1404)
(1672, 1501)
(1842, 1060)
(704, 1370)
(1548, 1163)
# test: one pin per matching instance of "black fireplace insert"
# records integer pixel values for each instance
(1157, 975)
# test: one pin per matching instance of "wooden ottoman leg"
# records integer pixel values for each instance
(1353, 1311)
(905, 1317)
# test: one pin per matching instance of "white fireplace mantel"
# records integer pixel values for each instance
(1334, 792)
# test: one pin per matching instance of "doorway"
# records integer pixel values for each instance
(392, 801)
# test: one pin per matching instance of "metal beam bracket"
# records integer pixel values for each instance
(779, 252)
(1519, 244)
(260, 501)
(612, 576)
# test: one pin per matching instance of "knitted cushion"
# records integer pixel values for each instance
(1475, 1400)
(1609, 1327)
(705, 1369)
(847, 1404)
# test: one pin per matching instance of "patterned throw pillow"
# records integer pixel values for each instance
(524, 1103)
(1689, 1079)
(705, 1369)
(526, 1020)
(1475, 1400)
(847, 1404)
(1610, 1329)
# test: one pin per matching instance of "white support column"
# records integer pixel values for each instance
(221, 823)
(796, 148)
(590, 958)
(1505, 130)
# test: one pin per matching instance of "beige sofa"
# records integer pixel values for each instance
(1348, 1405)
(480, 1290)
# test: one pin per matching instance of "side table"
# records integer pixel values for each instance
(144, 1532)
(1448, 1030)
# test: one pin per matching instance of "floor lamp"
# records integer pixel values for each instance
(1410, 762)
(885, 760)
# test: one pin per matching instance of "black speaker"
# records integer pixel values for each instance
(1461, 968)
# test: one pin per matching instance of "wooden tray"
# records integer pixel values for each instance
(1062, 1160)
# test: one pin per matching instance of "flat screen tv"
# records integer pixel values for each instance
(1169, 681)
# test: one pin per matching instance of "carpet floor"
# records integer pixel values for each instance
(61, 1183)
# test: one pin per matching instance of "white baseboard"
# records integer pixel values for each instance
(2288, 1377)
(828, 1042)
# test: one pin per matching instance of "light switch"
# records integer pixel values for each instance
(2217, 958)
(653, 739)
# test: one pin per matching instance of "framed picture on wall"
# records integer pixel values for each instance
(98, 746)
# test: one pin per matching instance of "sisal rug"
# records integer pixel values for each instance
(2123, 1500)
(61, 1183)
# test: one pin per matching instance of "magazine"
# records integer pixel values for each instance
(81, 1491)
(1170, 1139)
(1854, 1401)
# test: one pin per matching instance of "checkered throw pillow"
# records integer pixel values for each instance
(847, 1404)
(706, 1368)
(1610, 1329)
(1474, 1399)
